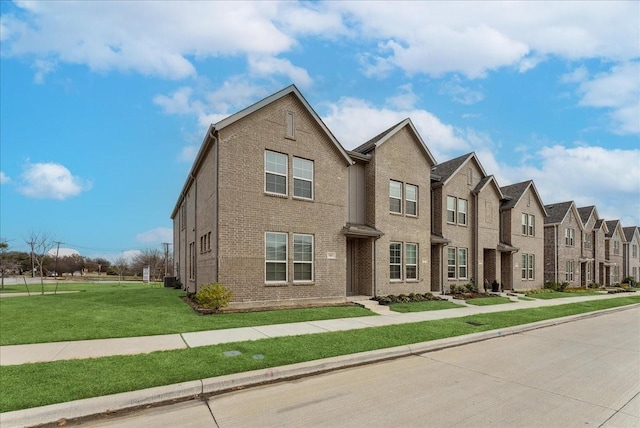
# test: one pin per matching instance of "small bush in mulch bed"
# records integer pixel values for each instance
(405, 298)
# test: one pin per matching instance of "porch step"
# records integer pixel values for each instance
(372, 305)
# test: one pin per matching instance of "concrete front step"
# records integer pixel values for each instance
(372, 305)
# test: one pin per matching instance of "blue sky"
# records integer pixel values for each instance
(103, 105)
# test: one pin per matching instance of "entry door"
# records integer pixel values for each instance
(351, 270)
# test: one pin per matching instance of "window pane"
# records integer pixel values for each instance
(412, 199)
(276, 248)
(302, 248)
(451, 209)
(412, 192)
(451, 263)
(412, 272)
(276, 271)
(412, 208)
(275, 162)
(302, 271)
(276, 184)
(303, 168)
(395, 205)
(302, 188)
(412, 254)
(462, 211)
(394, 272)
(395, 189)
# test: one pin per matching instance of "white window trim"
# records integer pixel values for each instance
(304, 262)
(531, 271)
(399, 199)
(286, 259)
(455, 258)
(407, 264)
(454, 210)
(395, 264)
(465, 212)
(465, 265)
(313, 167)
(531, 230)
(285, 175)
(407, 200)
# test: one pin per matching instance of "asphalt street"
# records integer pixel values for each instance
(576, 374)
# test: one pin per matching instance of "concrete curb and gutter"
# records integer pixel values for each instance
(217, 385)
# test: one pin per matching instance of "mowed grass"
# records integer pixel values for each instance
(39, 384)
(545, 295)
(487, 301)
(129, 311)
(430, 305)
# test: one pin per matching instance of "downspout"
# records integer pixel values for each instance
(476, 239)
(555, 261)
(217, 202)
(195, 231)
(375, 277)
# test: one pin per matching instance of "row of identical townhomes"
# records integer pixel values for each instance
(581, 248)
(278, 211)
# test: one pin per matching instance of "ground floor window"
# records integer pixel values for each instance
(192, 260)
(569, 270)
(411, 261)
(275, 257)
(457, 260)
(395, 261)
(302, 257)
(528, 266)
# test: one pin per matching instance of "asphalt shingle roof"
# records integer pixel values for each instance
(446, 169)
(514, 192)
(557, 212)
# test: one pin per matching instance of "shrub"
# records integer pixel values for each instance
(403, 298)
(213, 296)
(556, 286)
(593, 285)
(471, 288)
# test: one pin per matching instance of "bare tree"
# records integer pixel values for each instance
(4, 246)
(40, 243)
(121, 264)
(152, 257)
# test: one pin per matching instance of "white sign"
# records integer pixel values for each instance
(331, 255)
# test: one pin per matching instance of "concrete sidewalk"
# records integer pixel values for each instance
(126, 401)
(46, 352)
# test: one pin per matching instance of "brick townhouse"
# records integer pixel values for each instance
(278, 211)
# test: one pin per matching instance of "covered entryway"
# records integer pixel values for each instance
(360, 259)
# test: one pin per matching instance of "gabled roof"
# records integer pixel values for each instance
(556, 213)
(445, 170)
(587, 212)
(630, 231)
(513, 193)
(209, 136)
(384, 136)
(486, 181)
(600, 223)
(291, 89)
(612, 225)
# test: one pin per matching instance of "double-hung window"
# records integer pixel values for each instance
(395, 261)
(275, 257)
(587, 240)
(395, 197)
(616, 247)
(411, 261)
(462, 211)
(528, 224)
(569, 270)
(569, 236)
(451, 209)
(451, 263)
(411, 195)
(302, 178)
(528, 266)
(462, 263)
(302, 257)
(275, 168)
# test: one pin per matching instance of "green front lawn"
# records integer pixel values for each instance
(32, 385)
(559, 294)
(486, 301)
(430, 305)
(128, 311)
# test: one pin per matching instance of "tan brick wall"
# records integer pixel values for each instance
(401, 159)
(564, 252)
(246, 212)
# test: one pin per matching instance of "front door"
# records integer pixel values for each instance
(351, 271)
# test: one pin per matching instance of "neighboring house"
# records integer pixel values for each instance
(388, 230)
(592, 254)
(600, 232)
(613, 244)
(522, 219)
(466, 246)
(264, 206)
(562, 243)
(630, 253)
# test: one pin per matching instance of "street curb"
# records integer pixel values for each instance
(221, 384)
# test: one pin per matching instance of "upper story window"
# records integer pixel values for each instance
(616, 247)
(395, 197)
(302, 178)
(587, 240)
(457, 209)
(411, 195)
(275, 168)
(634, 251)
(290, 126)
(451, 209)
(569, 236)
(528, 224)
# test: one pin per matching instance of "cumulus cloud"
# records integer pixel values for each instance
(157, 235)
(50, 180)
(63, 252)
(345, 119)
(4, 178)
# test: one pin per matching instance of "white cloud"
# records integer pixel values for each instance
(63, 252)
(4, 178)
(345, 119)
(159, 234)
(42, 67)
(268, 66)
(619, 92)
(50, 181)
(405, 99)
(189, 153)
(459, 93)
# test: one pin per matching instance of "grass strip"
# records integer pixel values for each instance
(39, 384)
(430, 305)
(546, 295)
(487, 301)
(130, 311)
